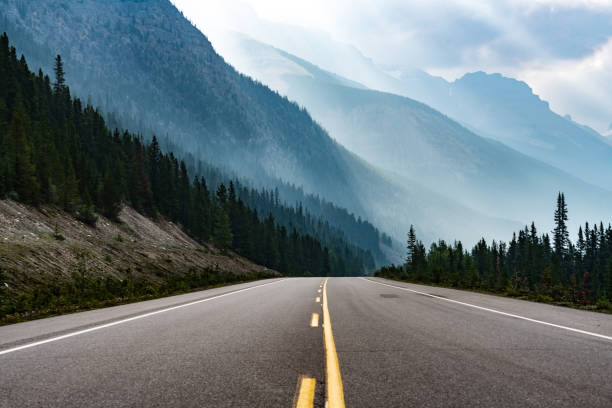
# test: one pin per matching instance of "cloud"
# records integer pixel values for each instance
(577, 86)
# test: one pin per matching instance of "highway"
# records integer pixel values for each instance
(355, 342)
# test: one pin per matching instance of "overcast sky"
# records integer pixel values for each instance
(561, 48)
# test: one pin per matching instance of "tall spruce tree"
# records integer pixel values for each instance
(60, 75)
(222, 234)
(561, 234)
(411, 245)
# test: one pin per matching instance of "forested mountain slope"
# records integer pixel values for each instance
(491, 105)
(409, 138)
(144, 59)
(57, 152)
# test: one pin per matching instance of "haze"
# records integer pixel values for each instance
(560, 48)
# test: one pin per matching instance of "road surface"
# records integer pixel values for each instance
(262, 344)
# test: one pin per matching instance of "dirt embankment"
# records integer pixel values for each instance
(41, 245)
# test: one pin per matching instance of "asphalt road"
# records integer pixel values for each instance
(251, 345)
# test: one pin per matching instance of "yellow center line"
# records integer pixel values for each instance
(305, 397)
(314, 320)
(333, 379)
(318, 299)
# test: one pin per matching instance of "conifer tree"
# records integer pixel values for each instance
(111, 197)
(60, 76)
(580, 244)
(222, 194)
(154, 163)
(222, 234)
(411, 245)
(23, 172)
(561, 234)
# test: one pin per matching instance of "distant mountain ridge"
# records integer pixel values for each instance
(507, 110)
(416, 142)
(490, 105)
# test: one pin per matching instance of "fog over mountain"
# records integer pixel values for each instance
(143, 62)
(491, 105)
(412, 140)
(561, 48)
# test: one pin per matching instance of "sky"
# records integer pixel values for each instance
(561, 48)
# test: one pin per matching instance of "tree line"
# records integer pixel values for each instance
(55, 151)
(531, 265)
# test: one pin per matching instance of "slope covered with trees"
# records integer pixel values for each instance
(57, 151)
(416, 142)
(532, 265)
(146, 61)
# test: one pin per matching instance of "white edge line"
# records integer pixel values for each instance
(601, 336)
(103, 326)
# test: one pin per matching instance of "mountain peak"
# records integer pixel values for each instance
(498, 86)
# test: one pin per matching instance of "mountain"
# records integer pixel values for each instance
(491, 105)
(144, 60)
(58, 153)
(507, 110)
(412, 140)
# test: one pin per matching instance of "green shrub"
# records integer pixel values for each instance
(86, 215)
(604, 304)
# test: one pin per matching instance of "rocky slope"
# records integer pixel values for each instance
(45, 245)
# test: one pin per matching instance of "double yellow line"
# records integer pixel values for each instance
(335, 392)
(306, 388)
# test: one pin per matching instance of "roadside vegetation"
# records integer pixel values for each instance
(531, 266)
(85, 291)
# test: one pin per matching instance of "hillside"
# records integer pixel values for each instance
(410, 139)
(491, 105)
(507, 110)
(46, 244)
(128, 56)
(51, 263)
(56, 152)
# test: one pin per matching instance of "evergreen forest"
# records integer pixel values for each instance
(544, 267)
(57, 151)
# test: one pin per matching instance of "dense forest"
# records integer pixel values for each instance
(293, 208)
(541, 267)
(55, 151)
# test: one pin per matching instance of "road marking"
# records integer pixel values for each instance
(103, 326)
(314, 320)
(335, 393)
(306, 393)
(588, 333)
(318, 299)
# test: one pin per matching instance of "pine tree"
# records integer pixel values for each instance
(23, 171)
(580, 244)
(561, 235)
(222, 234)
(222, 194)
(111, 197)
(60, 77)
(411, 245)
(232, 193)
(154, 163)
